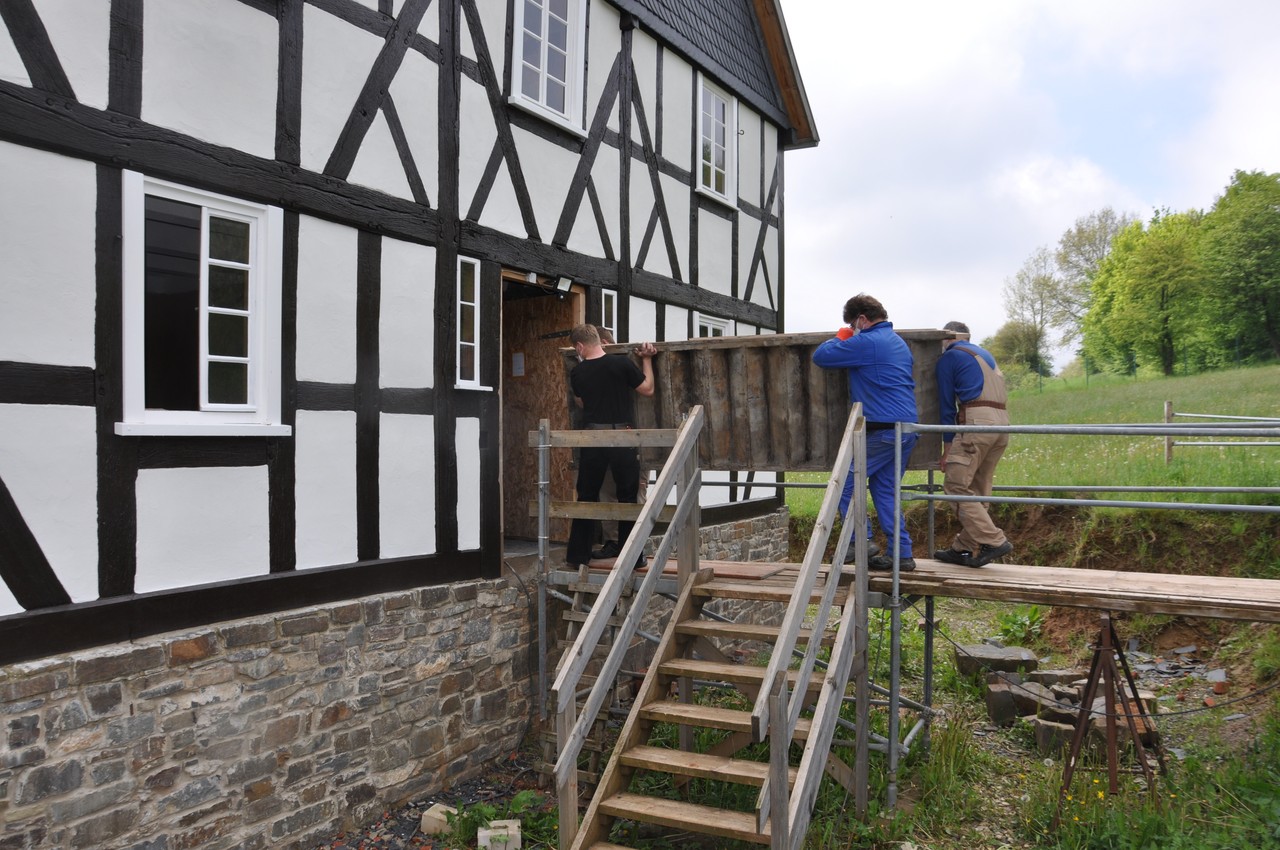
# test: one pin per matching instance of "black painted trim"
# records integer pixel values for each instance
(289, 93)
(645, 241)
(23, 565)
(486, 182)
(651, 157)
(117, 456)
(368, 394)
(781, 302)
(48, 123)
(124, 86)
(490, 408)
(493, 89)
(37, 383)
(587, 160)
(282, 452)
(420, 401)
(195, 452)
(449, 105)
(602, 226)
(31, 40)
(315, 395)
(626, 145)
(375, 90)
(52, 631)
(411, 173)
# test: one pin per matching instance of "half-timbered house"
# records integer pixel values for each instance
(283, 285)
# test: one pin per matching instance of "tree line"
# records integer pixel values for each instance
(1189, 290)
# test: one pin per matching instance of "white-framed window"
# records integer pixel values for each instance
(717, 141)
(549, 58)
(704, 325)
(609, 311)
(202, 281)
(468, 323)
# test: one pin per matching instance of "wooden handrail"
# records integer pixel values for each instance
(571, 731)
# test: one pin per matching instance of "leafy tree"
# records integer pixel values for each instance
(1080, 253)
(1241, 251)
(1028, 301)
(1016, 347)
(1148, 296)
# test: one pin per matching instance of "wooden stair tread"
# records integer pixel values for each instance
(746, 674)
(710, 716)
(743, 631)
(687, 816)
(703, 765)
(761, 591)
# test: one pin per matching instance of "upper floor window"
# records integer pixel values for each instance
(705, 326)
(548, 68)
(202, 279)
(468, 322)
(717, 141)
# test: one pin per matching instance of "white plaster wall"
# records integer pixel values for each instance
(467, 445)
(377, 165)
(477, 135)
(770, 159)
(749, 157)
(713, 494)
(585, 237)
(644, 55)
(199, 526)
(407, 485)
(11, 68)
(748, 233)
(493, 17)
(47, 288)
(548, 171)
(715, 253)
(49, 462)
(336, 58)
(406, 321)
(677, 323)
(80, 34)
(642, 325)
(325, 489)
(604, 40)
(678, 196)
(642, 203)
(209, 71)
(326, 301)
(677, 110)
(758, 295)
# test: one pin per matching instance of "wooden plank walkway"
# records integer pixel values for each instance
(1254, 600)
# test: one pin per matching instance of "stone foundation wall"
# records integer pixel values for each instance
(272, 732)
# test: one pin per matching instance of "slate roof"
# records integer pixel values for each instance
(724, 39)
(728, 34)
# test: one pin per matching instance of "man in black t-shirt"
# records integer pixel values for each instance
(602, 386)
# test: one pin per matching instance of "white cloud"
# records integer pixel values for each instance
(957, 138)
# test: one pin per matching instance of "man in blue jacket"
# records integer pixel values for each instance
(880, 376)
(971, 391)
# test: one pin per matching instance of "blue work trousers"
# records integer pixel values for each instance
(882, 486)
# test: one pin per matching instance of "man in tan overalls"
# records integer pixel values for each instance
(971, 391)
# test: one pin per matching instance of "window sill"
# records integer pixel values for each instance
(729, 203)
(212, 429)
(547, 115)
(474, 387)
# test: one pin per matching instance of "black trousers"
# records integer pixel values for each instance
(593, 463)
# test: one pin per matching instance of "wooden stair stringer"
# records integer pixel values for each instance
(594, 828)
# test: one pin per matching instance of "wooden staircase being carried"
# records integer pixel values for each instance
(778, 693)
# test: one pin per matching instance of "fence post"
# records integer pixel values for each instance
(1168, 440)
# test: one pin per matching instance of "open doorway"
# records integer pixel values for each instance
(536, 320)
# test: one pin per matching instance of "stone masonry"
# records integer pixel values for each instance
(271, 732)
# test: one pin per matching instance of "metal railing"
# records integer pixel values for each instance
(1170, 442)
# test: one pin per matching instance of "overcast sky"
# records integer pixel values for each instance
(957, 137)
